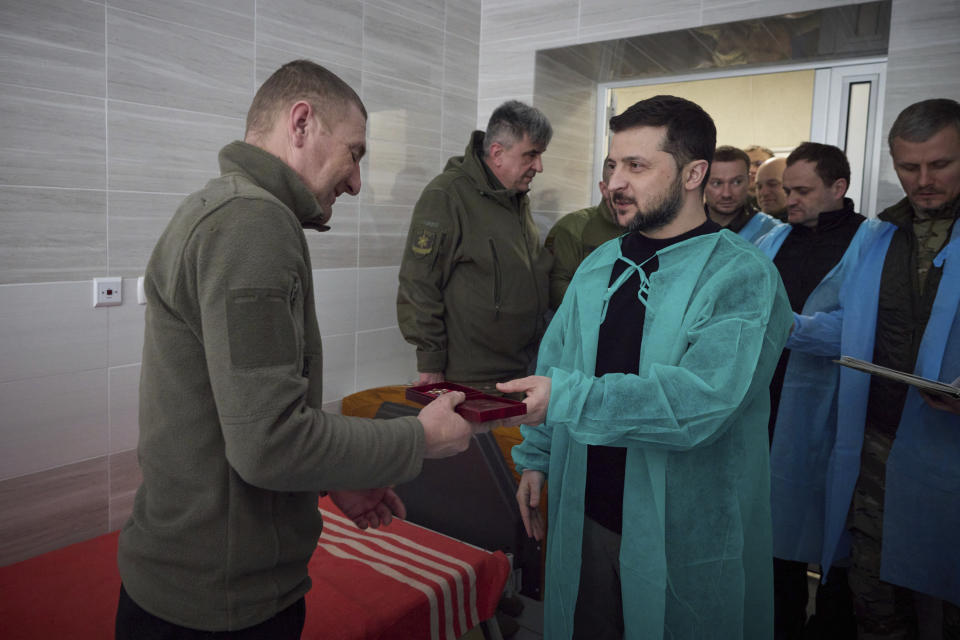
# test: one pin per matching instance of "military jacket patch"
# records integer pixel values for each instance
(423, 242)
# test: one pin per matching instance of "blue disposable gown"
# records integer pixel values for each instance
(921, 516)
(758, 226)
(695, 556)
(807, 419)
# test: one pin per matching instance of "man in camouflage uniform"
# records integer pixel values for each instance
(906, 570)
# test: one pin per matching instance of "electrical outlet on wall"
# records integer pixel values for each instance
(107, 292)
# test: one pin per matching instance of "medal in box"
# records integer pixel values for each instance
(478, 407)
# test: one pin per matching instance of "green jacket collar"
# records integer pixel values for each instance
(272, 174)
(902, 214)
(471, 163)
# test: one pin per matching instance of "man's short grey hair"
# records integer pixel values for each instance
(511, 120)
(922, 120)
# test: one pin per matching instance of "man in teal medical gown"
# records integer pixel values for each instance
(649, 410)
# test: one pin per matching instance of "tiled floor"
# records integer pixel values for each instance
(531, 620)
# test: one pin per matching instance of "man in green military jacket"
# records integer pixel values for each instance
(576, 234)
(473, 278)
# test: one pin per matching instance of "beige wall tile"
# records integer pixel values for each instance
(339, 366)
(41, 326)
(50, 44)
(124, 406)
(125, 478)
(378, 298)
(383, 358)
(52, 234)
(335, 291)
(52, 421)
(51, 509)
(160, 63)
(232, 18)
(296, 26)
(51, 139)
(163, 150)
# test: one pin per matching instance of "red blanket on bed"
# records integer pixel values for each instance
(401, 581)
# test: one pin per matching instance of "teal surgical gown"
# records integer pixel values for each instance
(695, 556)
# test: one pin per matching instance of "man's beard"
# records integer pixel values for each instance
(661, 213)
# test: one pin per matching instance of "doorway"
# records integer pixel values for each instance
(834, 103)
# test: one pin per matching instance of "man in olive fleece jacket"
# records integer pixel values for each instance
(234, 448)
(473, 278)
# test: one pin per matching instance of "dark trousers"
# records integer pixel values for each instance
(599, 611)
(834, 618)
(133, 623)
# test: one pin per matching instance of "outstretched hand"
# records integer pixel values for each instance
(942, 402)
(370, 507)
(537, 400)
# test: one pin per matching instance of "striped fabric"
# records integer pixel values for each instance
(400, 582)
(405, 581)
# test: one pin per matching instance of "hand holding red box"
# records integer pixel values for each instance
(478, 407)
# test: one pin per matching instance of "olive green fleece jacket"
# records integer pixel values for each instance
(572, 239)
(473, 278)
(233, 445)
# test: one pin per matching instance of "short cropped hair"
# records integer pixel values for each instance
(830, 162)
(726, 153)
(691, 134)
(510, 121)
(921, 120)
(756, 147)
(300, 80)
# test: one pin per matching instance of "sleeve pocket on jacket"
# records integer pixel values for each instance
(260, 327)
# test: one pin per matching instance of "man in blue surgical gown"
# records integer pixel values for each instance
(649, 412)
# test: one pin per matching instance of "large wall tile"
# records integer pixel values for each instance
(296, 25)
(124, 407)
(53, 44)
(463, 19)
(336, 248)
(405, 116)
(506, 71)
(125, 324)
(52, 234)
(232, 18)
(46, 329)
(125, 478)
(402, 49)
(461, 65)
(383, 358)
(608, 19)
(48, 510)
(155, 62)
(339, 366)
(397, 173)
(53, 421)
(459, 122)
(723, 11)
(335, 293)
(508, 19)
(378, 298)
(136, 221)
(429, 12)
(269, 59)
(51, 139)
(165, 150)
(383, 234)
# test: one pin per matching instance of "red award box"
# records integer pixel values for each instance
(478, 407)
